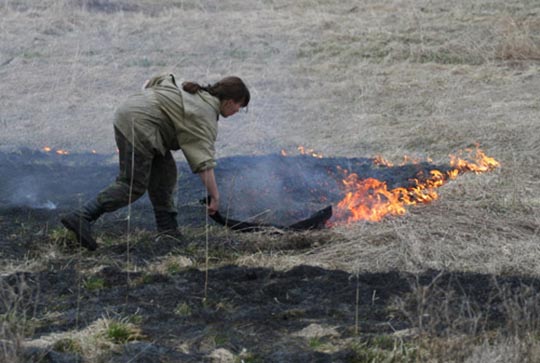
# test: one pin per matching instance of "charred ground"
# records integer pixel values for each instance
(182, 314)
(179, 311)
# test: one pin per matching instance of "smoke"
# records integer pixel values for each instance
(27, 192)
(284, 189)
(278, 189)
(270, 188)
(35, 179)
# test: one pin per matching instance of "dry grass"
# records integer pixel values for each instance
(520, 39)
(389, 78)
(94, 342)
(16, 313)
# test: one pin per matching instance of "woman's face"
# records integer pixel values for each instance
(229, 107)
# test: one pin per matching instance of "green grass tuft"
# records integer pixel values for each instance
(120, 332)
(94, 283)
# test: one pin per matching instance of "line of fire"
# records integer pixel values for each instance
(372, 199)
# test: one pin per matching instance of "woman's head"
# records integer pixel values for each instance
(231, 91)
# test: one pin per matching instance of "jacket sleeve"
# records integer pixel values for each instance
(197, 142)
(199, 155)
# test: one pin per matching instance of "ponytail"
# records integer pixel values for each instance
(193, 87)
(229, 88)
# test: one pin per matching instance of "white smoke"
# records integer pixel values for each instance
(27, 192)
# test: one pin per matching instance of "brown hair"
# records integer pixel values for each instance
(229, 88)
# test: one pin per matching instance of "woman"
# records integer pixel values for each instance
(163, 117)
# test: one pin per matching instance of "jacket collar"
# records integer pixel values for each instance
(213, 101)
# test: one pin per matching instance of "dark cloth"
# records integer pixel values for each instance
(140, 172)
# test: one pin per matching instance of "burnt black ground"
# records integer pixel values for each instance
(262, 309)
(259, 309)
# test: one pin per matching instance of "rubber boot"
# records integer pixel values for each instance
(167, 225)
(80, 223)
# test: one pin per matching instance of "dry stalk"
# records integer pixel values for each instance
(17, 307)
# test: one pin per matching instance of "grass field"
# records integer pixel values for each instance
(455, 280)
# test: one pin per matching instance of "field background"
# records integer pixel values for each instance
(345, 78)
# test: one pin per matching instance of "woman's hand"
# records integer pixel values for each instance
(209, 180)
(213, 207)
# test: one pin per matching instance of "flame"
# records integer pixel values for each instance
(49, 149)
(481, 162)
(304, 151)
(379, 160)
(371, 200)
(309, 152)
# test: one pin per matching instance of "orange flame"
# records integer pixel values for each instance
(309, 152)
(304, 151)
(48, 149)
(481, 162)
(371, 200)
(379, 160)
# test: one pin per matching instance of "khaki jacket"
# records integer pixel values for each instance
(164, 117)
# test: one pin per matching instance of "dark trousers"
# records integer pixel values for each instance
(139, 173)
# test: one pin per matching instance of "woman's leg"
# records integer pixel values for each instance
(133, 177)
(162, 189)
(130, 185)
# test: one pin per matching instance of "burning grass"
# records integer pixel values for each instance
(371, 200)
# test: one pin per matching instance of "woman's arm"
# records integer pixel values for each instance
(209, 180)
